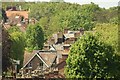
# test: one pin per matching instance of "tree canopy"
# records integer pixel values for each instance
(54, 17)
(108, 33)
(91, 58)
(34, 37)
(18, 44)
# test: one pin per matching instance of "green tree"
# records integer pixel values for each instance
(108, 33)
(57, 16)
(18, 45)
(34, 37)
(91, 58)
(13, 29)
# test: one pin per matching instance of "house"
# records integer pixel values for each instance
(68, 37)
(39, 61)
(15, 12)
(50, 61)
(18, 17)
(15, 17)
(44, 59)
(45, 63)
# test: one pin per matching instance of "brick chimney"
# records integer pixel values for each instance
(66, 31)
(81, 31)
(26, 21)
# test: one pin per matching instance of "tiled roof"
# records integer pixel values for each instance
(27, 57)
(63, 52)
(47, 56)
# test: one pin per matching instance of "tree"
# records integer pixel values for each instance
(13, 29)
(108, 33)
(6, 46)
(4, 17)
(34, 37)
(91, 58)
(18, 44)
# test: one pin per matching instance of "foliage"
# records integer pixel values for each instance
(13, 29)
(108, 33)
(3, 16)
(6, 46)
(91, 58)
(34, 37)
(58, 15)
(18, 44)
(106, 15)
(55, 17)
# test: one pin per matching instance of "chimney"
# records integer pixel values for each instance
(81, 31)
(26, 21)
(77, 34)
(65, 31)
(32, 21)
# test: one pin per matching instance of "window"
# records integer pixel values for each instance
(41, 64)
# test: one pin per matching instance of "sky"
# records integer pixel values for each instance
(102, 3)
